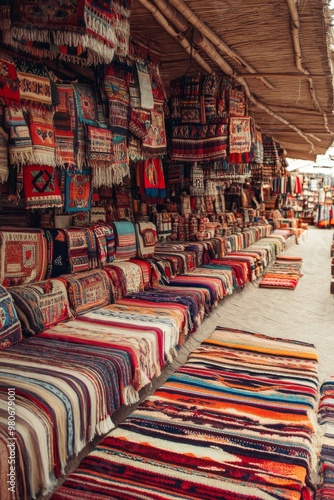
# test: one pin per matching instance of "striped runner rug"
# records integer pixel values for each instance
(236, 422)
(326, 419)
(282, 275)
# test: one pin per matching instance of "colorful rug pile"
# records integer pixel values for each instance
(234, 423)
(283, 274)
(326, 419)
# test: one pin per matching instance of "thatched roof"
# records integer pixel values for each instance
(278, 50)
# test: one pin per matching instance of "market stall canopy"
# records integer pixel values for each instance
(279, 51)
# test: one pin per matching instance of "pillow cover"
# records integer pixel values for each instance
(10, 326)
(132, 276)
(41, 305)
(88, 291)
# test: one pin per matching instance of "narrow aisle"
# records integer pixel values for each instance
(305, 314)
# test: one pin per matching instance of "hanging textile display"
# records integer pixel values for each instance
(117, 93)
(99, 147)
(64, 141)
(270, 153)
(83, 31)
(258, 147)
(86, 114)
(192, 143)
(99, 154)
(85, 103)
(196, 180)
(65, 115)
(9, 83)
(19, 144)
(240, 136)
(190, 99)
(40, 187)
(153, 178)
(236, 102)
(154, 141)
(145, 87)
(42, 136)
(78, 191)
(210, 87)
(65, 125)
(120, 167)
(158, 89)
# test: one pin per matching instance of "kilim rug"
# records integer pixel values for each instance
(326, 419)
(41, 187)
(234, 423)
(78, 191)
(282, 275)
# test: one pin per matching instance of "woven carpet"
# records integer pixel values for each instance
(282, 275)
(326, 419)
(234, 423)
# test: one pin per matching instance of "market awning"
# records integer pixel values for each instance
(279, 51)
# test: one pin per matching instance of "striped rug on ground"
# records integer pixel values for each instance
(326, 419)
(236, 422)
(282, 275)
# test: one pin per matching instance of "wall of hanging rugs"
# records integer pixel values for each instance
(84, 139)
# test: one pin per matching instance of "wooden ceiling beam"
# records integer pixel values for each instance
(160, 18)
(188, 14)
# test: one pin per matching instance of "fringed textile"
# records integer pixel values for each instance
(42, 136)
(19, 144)
(64, 145)
(121, 167)
(99, 148)
(80, 31)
